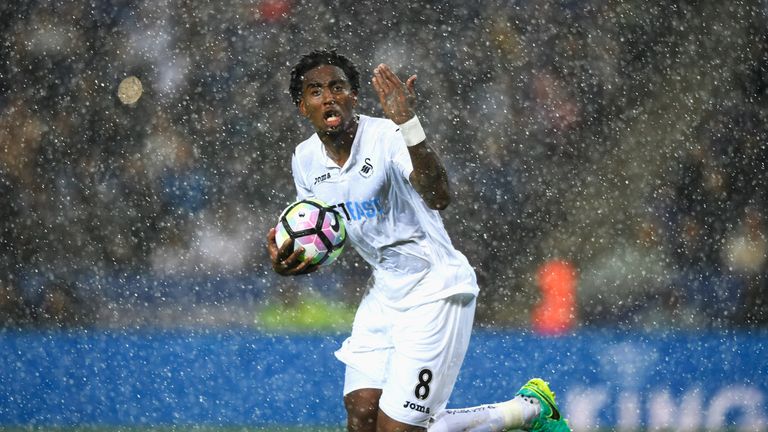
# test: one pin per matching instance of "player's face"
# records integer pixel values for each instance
(327, 100)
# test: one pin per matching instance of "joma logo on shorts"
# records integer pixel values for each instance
(416, 407)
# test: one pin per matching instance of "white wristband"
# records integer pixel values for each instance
(412, 132)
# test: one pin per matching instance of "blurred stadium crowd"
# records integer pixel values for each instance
(628, 138)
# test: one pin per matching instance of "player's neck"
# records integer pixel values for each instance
(338, 151)
(338, 147)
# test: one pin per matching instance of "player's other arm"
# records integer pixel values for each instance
(429, 176)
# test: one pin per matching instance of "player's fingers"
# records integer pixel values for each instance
(411, 85)
(291, 264)
(377, 86)
(285, 249)
(304, 267)
(378, 82)
(384, 94)
(381, 76)
(271, 244)
(294, 258)
(310, 268)
(387, 73)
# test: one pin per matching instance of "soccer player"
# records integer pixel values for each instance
(412, 328)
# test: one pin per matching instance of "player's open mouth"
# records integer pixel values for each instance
(332, 118)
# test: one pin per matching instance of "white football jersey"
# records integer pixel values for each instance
(387, 221)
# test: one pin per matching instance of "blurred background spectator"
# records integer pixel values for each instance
(555, 314)
(628, 138)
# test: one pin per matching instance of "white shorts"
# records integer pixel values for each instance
(413, 355)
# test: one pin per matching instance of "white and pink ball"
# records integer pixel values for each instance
(314, 226)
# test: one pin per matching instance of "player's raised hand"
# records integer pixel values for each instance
(285, 260)
(397, 99)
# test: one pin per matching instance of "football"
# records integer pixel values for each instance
(314, 226)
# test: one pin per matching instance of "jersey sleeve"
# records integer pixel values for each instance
(400, 155)
(302, 189)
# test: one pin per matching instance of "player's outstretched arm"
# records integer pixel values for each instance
(285, 262)
(429, 177)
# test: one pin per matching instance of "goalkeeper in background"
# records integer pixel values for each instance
(412, 328)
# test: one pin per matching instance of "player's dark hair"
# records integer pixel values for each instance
(318, 58)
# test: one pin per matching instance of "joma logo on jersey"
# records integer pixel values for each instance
(322, 178)
(416, 407)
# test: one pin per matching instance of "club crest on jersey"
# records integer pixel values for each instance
(367, 168)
